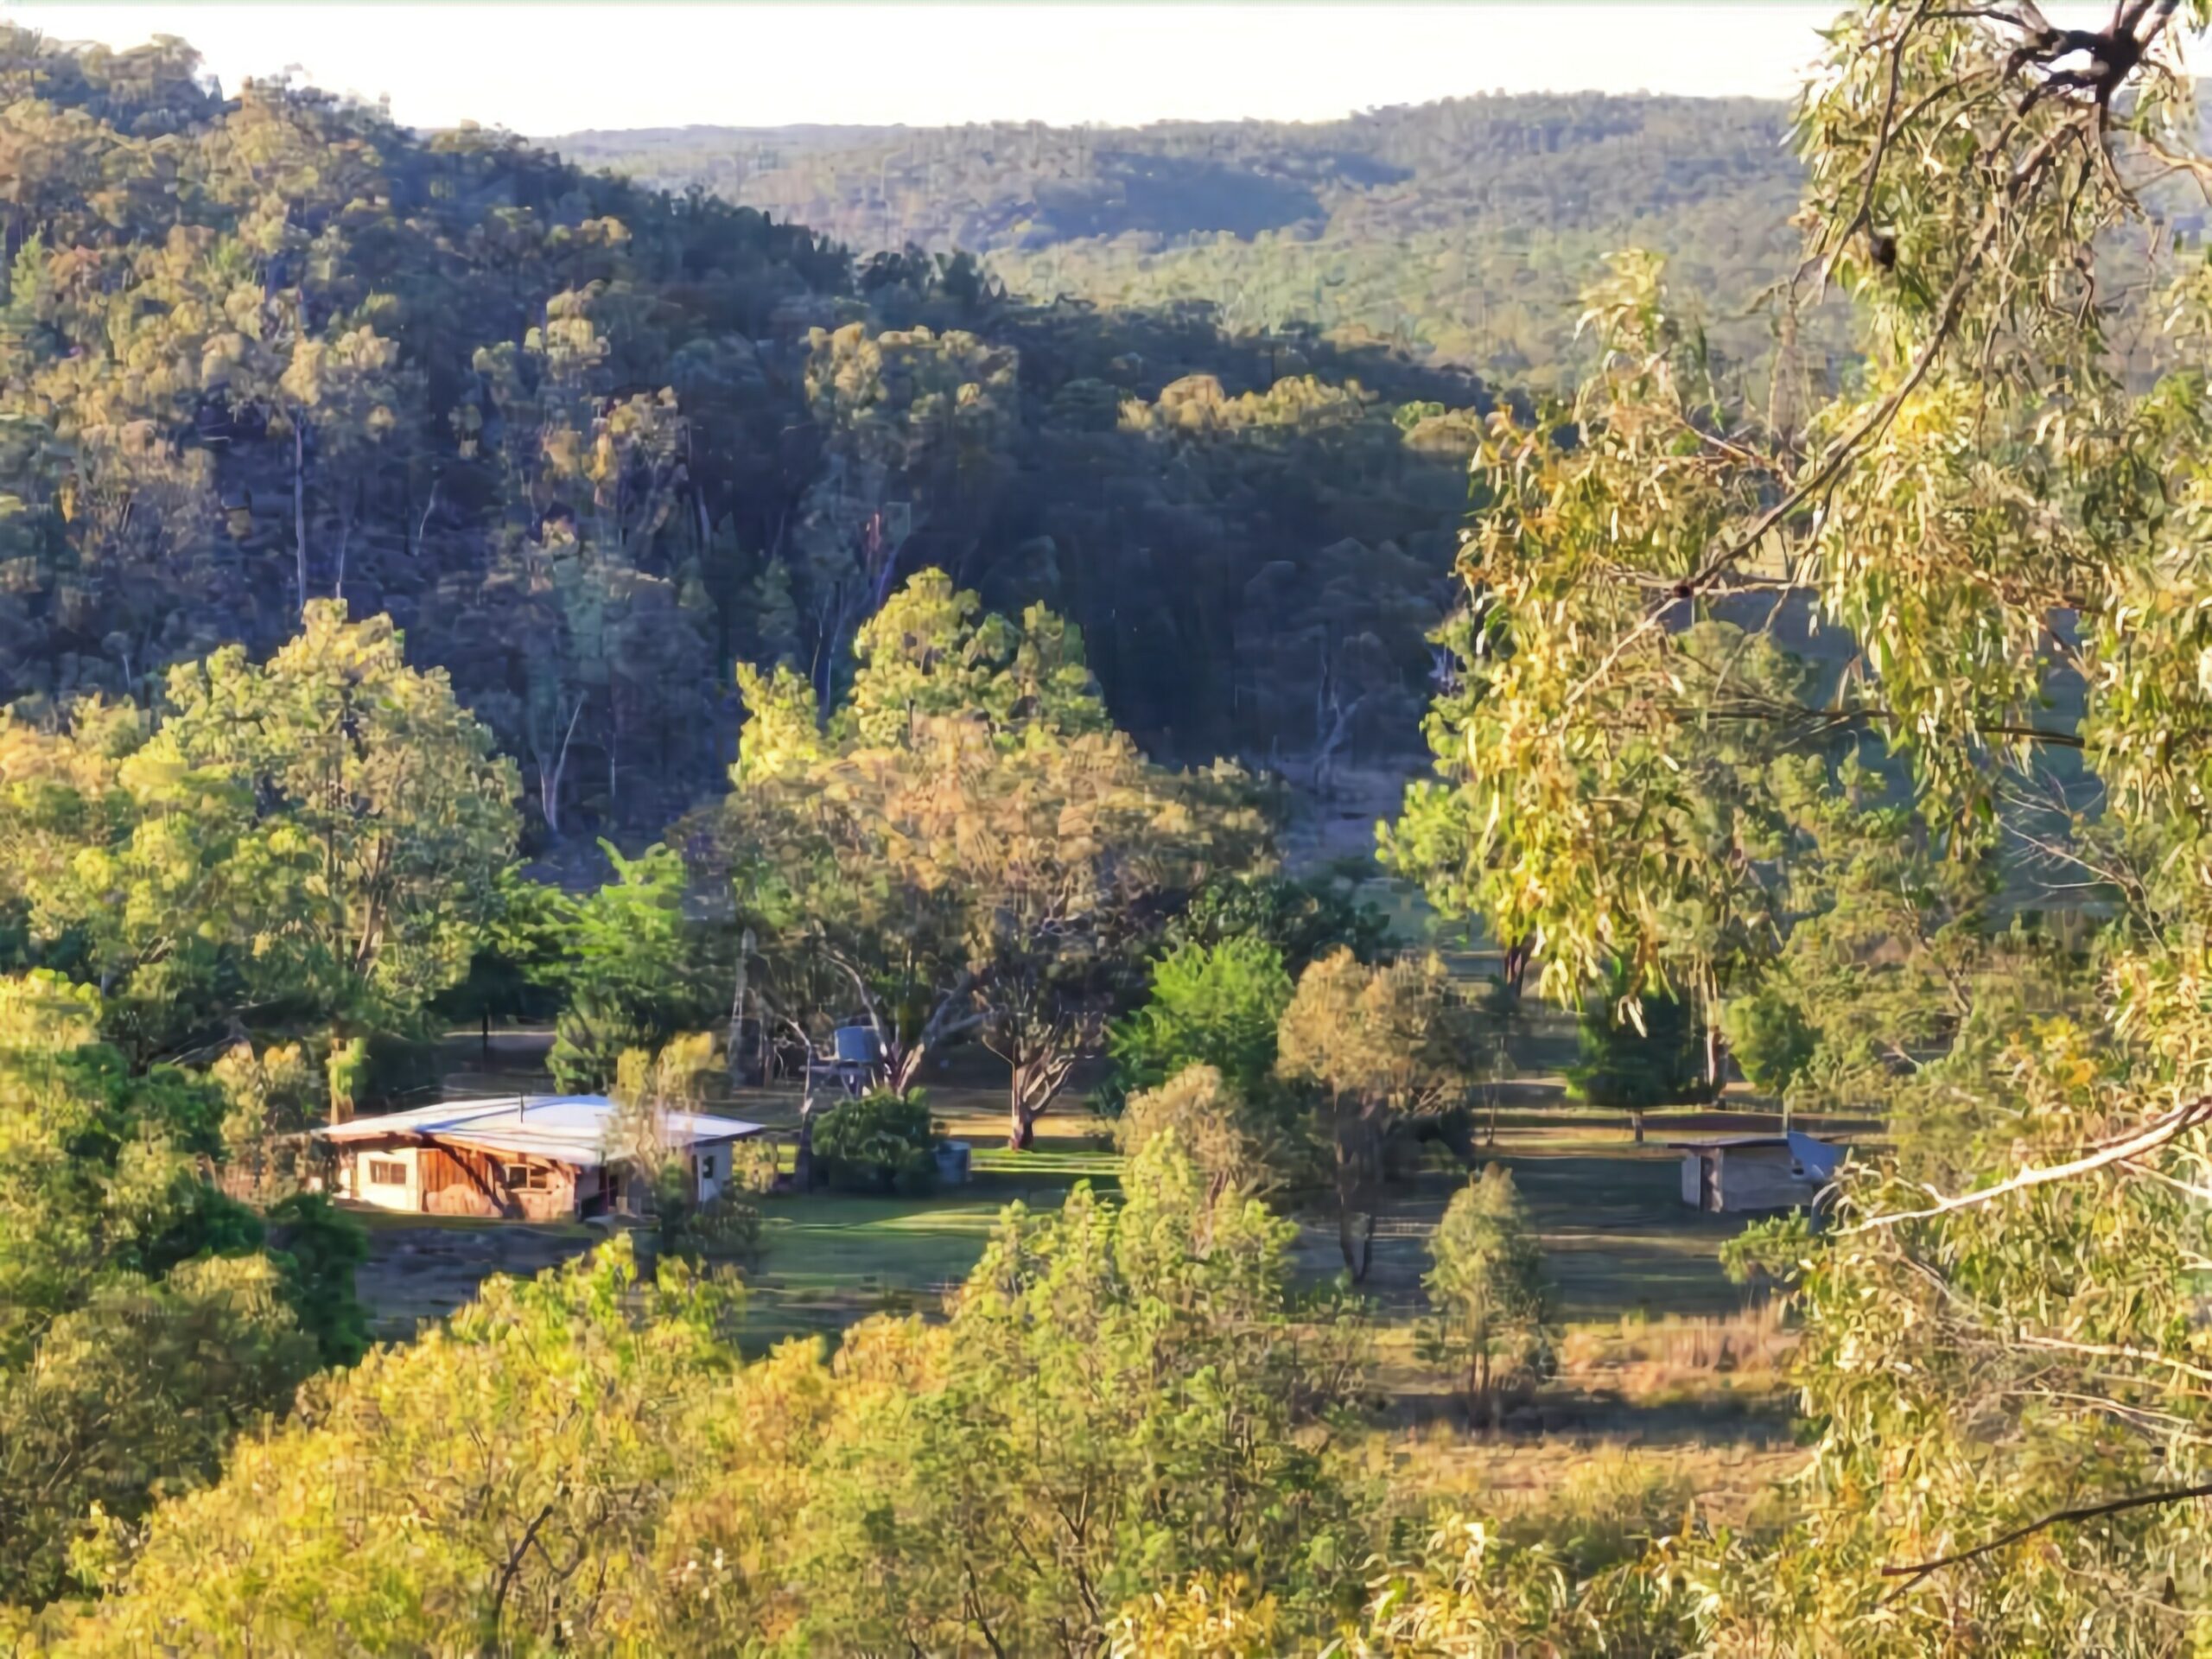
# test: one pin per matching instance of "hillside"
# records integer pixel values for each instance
(591, 444)
(1461, 230)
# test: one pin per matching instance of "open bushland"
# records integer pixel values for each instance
(472, 625)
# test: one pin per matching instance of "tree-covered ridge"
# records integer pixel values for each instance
(271, 348)
(1463, 230)
(589, 443)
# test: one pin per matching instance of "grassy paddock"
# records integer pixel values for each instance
(1668, 1387)
(1617, 1237)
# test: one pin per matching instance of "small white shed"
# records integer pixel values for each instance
(1755, 1172)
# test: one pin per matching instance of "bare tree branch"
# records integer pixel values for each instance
(2160, 1131)
(1914, 1571)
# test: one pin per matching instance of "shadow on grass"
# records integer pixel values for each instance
(1760, 1420)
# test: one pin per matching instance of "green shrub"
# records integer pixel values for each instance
(881, 1142)
(1770, 1038)
(317, 1247)
(1625, 1070)
(589, 1041)
(727, 1228)
(1304, 920)
(1214, 1005)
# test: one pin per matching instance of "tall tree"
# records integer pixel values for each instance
(967, 839)
(317, 837)
(1382, 1047)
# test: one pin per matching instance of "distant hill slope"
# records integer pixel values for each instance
(1461, 230)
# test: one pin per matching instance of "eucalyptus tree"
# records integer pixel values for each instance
(316, 838)
(2004, 1359)
(967, 840)
(1381, 1047)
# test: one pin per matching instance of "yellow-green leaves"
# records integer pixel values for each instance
(325, 828)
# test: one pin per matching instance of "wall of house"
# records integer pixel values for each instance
(355, 1182)
(463, 1181)
(447, 1180)
(711, 1165)
(1760, 1177)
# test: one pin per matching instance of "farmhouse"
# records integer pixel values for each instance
(527, 1157)
(1755, 1172)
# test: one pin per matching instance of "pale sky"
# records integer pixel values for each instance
(545, 69)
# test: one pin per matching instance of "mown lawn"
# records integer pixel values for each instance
(834, 1257)
(1616, 1235)
(1617, 1238)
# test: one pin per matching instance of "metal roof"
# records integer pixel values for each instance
(1819, 1158)
(566, 1128)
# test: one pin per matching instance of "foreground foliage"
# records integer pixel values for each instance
(2004, 1355)
(1122, 1394)
(145, 1319)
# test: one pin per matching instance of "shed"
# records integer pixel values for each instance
(1755, 1172)
(526, 1157)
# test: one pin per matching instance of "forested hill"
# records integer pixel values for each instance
(1463, 230)
(591, 444)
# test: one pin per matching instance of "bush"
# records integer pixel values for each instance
(1487, 1291)
(1214, 1005)
(317, 1247)
(1232, 1147)
(1770, 1038)
(727, 1228)
(1628, 1071)
(882, 1143)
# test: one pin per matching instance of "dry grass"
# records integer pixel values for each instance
(1664, 1360)
(1587, 1486)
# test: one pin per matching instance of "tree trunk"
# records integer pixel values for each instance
(902, 1066)
(300, 506)
(549, 781)
(1021, 1121)
(613, 756)
(737, 1010)
(344, 537)
(1517, 966)
(487, 1035)
(1635, 1118)
(1716, 1060)
(1355, 1208)
(803, 1158)
(1356, 1242)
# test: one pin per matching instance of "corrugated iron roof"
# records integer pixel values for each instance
(566, 1129)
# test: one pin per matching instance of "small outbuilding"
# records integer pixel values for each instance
(1755, 1172)
(527, 1157)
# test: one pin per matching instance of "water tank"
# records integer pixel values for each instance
(856, 1046)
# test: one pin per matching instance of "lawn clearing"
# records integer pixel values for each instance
(1617, 1237)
